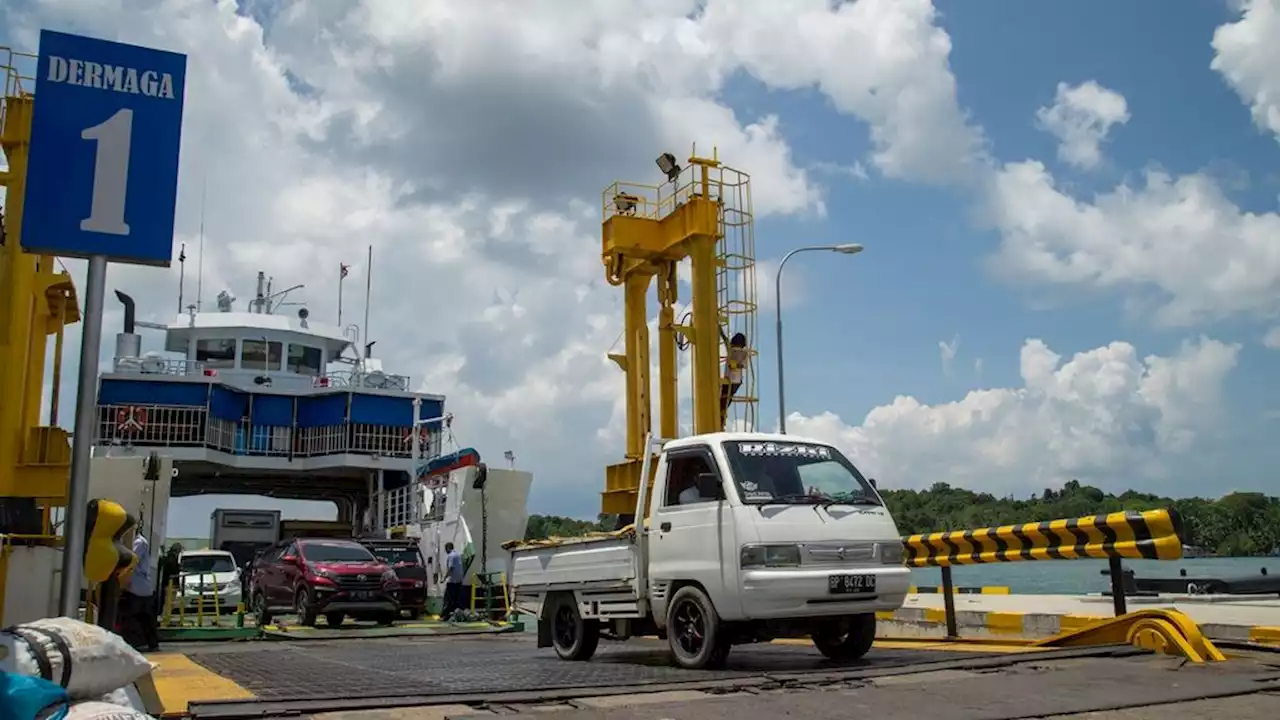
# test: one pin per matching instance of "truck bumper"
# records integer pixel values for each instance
(780, 593)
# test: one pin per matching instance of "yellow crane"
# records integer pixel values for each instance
(36, 300)
(703, 214)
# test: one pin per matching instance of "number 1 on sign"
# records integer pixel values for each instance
(110, 174)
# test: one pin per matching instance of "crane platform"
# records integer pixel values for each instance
(507, 674)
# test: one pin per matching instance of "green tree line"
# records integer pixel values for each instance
(1238, 524)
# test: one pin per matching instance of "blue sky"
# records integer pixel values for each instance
(860, 331)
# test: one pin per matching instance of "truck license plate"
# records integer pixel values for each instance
(851, 584)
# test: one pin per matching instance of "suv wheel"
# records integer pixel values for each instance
(305, 608)
(261, 610)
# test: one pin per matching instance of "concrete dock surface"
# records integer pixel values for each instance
(1222, 617)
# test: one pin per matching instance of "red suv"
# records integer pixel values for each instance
(334, 578)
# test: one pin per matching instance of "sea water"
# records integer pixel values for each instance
(1076, 577)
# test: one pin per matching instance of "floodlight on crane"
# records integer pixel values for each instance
(668, 165)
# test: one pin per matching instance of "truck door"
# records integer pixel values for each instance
(691, 535)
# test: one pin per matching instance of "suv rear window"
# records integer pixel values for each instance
(335, 552)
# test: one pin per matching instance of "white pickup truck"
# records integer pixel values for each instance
(751, 537)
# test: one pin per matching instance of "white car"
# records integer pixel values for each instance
(208, 577)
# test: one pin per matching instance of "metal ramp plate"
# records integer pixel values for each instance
(392, 667)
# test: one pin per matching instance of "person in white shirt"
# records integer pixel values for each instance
(690, 495)
(736, 357)
(137, 600)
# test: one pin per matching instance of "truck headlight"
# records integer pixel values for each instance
(892, 553)
(770, 556)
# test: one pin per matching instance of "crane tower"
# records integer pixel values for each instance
(37, 300)
(702, 213)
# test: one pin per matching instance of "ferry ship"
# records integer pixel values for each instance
(256, 401)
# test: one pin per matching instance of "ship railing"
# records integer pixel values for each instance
(158, 366)
(376, 380)
(173, 426)
(401, 506)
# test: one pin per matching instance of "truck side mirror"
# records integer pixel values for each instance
(289, 559)
(873, 483)
(708, 485)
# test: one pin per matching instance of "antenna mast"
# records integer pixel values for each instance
(182, 273)
(200, 264)
(368, 292)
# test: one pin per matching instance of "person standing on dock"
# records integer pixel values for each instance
(452, 583)
(139, 597)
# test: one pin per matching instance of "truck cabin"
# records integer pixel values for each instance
(772, 472)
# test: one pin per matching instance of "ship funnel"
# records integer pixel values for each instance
(130, 311)
(128, 343)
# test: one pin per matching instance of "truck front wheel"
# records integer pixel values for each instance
(573, 637)
(694, 632)
(845, 638)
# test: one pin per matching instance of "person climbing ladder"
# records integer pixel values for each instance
(735, 363)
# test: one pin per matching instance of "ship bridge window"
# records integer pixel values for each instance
(216, 353)
(305, 360)
(261, 355)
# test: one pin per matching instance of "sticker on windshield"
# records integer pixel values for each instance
(776, 449)
(758, 495)
(750, 486)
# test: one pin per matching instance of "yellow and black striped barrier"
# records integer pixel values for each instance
(1147, 535)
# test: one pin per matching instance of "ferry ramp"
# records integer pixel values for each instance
(403, 678)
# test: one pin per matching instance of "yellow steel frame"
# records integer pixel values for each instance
(703, 215)
(36, 301)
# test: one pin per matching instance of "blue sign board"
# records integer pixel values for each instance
(106, 128)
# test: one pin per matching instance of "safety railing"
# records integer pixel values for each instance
(490, 595)
(158, 366)
(1147, 535)
(204, 597)
(176, 426)
(376, 380)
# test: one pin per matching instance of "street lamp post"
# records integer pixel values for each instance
(846, 249)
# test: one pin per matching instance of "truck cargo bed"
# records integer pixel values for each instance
(574, 563)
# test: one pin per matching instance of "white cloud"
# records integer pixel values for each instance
(1250, 62)
(468, 143)
(1197, 255)
(1175, 245)
(1081, 117)
(1105, 416)
(947, 352)
(1272, 338)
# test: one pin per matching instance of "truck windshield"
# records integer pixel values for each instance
(397, 555)
(335, 552)
(786, 472)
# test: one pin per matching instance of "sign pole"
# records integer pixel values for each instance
(73, 528)
(102, 184)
